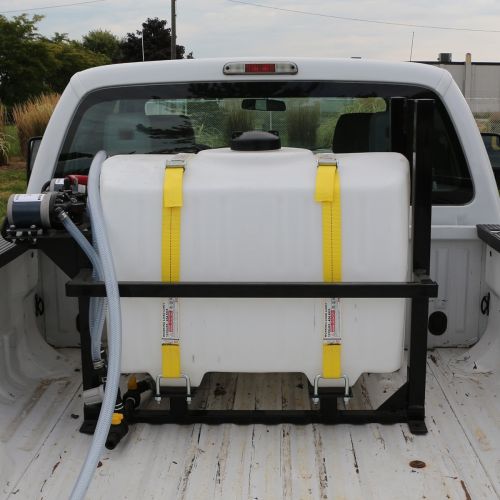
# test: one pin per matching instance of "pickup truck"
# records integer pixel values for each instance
(166, 109)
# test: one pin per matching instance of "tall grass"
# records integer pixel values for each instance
(326, 130)
(366, 105)
(302, 126)
(208, 135)
(4, 139)
(12, 141)
(12, 180)
(31, 118)
(237, 120)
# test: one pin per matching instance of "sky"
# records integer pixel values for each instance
(213, 28)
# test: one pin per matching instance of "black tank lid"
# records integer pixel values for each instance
(255, 140)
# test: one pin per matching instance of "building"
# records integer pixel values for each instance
(478, 81)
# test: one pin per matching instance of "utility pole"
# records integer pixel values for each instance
(173, 52)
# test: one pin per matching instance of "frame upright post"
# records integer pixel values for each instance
(421, 242)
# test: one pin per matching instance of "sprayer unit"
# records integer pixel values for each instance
(253, 258)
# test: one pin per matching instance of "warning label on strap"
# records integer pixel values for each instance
(332, 330)
(170, 323)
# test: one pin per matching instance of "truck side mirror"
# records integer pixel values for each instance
(33, 145)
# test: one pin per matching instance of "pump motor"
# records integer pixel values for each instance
(27, 210)
(28, 215)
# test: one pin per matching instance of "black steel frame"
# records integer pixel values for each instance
(411, 131)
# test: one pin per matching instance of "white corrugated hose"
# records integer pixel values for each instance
(114, 332)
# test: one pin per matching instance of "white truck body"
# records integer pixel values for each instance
(41, 450)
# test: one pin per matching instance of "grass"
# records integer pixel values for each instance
(30, 120)
(13, 140)
(302, 126)
(13, 176)
(12, 180)
(4, 146)
(32, 116)
(237, 120)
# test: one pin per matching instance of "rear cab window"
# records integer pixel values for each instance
(321, 116)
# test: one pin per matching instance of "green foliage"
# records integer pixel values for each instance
(67, 58)
(12, 180)
(103, 42)
(157, 39)
(366, 105)
(209, 136)
(302, 126)
(4, 142)
(325, 131)
(31, 64)
(23, 59)
(13, 141)
(237, 120)
(4, 148)
(60, 37)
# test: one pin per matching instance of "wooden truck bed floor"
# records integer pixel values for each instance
(458, 459)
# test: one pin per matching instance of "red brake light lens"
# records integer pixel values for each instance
(260, 68)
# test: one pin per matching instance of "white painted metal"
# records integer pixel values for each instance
(456, 265)
(251, 216)
(34, 383)
(484, 357)
(59, 319)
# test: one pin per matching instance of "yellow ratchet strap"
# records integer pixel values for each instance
(328, 194)
(170, 360)
(332, 360)
(170, 254)
(171, 222)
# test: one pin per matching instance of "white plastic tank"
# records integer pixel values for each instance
(251, 216)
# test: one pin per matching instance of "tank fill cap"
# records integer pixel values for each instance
(255, 140)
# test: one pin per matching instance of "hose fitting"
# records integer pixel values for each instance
(117, 431)
(94, 396)
(135, 389)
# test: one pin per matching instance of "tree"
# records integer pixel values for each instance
(157, 39)
(31, 65)
(103, 42)
(67, 58)
(23, 59)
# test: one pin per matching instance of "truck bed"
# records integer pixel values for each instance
(459, 458)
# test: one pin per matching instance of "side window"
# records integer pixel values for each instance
(492, 144)
(452, 183)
